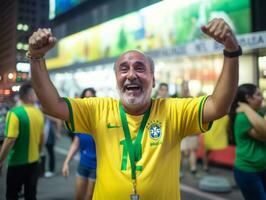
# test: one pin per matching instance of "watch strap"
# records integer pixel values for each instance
(233, 54)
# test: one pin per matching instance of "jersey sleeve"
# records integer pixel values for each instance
(12, 125)
(82, 115)
(192, 112)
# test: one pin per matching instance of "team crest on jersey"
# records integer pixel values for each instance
(155, 131)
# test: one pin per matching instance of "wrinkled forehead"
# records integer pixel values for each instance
(132, 56)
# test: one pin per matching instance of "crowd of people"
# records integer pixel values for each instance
(147, 137)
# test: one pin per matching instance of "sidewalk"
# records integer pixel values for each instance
(189, 182)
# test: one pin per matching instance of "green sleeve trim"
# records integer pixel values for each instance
(202, 103)
(71, 127)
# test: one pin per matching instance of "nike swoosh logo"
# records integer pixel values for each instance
(109, 125)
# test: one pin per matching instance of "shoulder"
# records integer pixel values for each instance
(180, 101)
(241, 116)
(91, 100)
(18, 110)
(15, 109)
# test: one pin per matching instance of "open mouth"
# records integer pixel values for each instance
(132, 88)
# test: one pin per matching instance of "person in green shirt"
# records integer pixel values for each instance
(22, 145)
(249, 129)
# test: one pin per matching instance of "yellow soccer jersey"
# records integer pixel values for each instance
(216, 138)
(158, 169)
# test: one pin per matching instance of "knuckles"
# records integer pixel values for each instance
(39, 38)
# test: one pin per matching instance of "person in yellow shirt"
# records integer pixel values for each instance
(22, 145)
(216, 138)
(137, 138)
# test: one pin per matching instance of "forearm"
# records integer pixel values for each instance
(45, 90)
(72, 151)
(226, 87)
(258, 123)
(7, 145)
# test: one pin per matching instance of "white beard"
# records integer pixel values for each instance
(132, 101)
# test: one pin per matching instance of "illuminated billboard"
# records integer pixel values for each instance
(164, 24)
(57, 7)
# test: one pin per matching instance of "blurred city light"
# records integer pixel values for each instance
(22, 27)
(19, 45)
(19, 27)
(6, 92)
(25, 27)
(15, 88)
(25, 47)
(23, 67)
(262, 59)
(10, 76)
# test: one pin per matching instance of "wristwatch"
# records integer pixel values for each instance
(233, 54)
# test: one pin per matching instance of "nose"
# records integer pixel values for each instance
(131, 74)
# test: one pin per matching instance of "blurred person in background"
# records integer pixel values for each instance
(189, 144)
(86, 171)
(23, 143)
(138, 138)
(52, 132)
(249, 128)
(215, 139)
(162, 91)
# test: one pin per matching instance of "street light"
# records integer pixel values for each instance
(25, 27)
(26, 47)
(19, 45)
(10, 76)
(19, 27)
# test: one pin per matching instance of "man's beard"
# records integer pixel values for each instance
(134, 101)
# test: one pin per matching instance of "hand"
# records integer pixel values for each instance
(41, 42)
(65, 170)
(220, 31)
(242, 107)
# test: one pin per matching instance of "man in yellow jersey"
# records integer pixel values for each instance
(137, 139)
(22, 144)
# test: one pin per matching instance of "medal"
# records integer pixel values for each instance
(134, 197)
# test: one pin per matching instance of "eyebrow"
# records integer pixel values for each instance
(139, 62)
(123, 63)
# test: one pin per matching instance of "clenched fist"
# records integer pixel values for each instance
(41, 42)
(219, 30)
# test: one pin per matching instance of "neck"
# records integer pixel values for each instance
(28, 102)
(137, 109)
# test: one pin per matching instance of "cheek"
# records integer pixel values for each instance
(120, 81)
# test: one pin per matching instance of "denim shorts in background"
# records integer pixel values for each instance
(86, 172)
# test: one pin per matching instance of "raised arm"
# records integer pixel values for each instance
(39, 44)
(218, 104)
